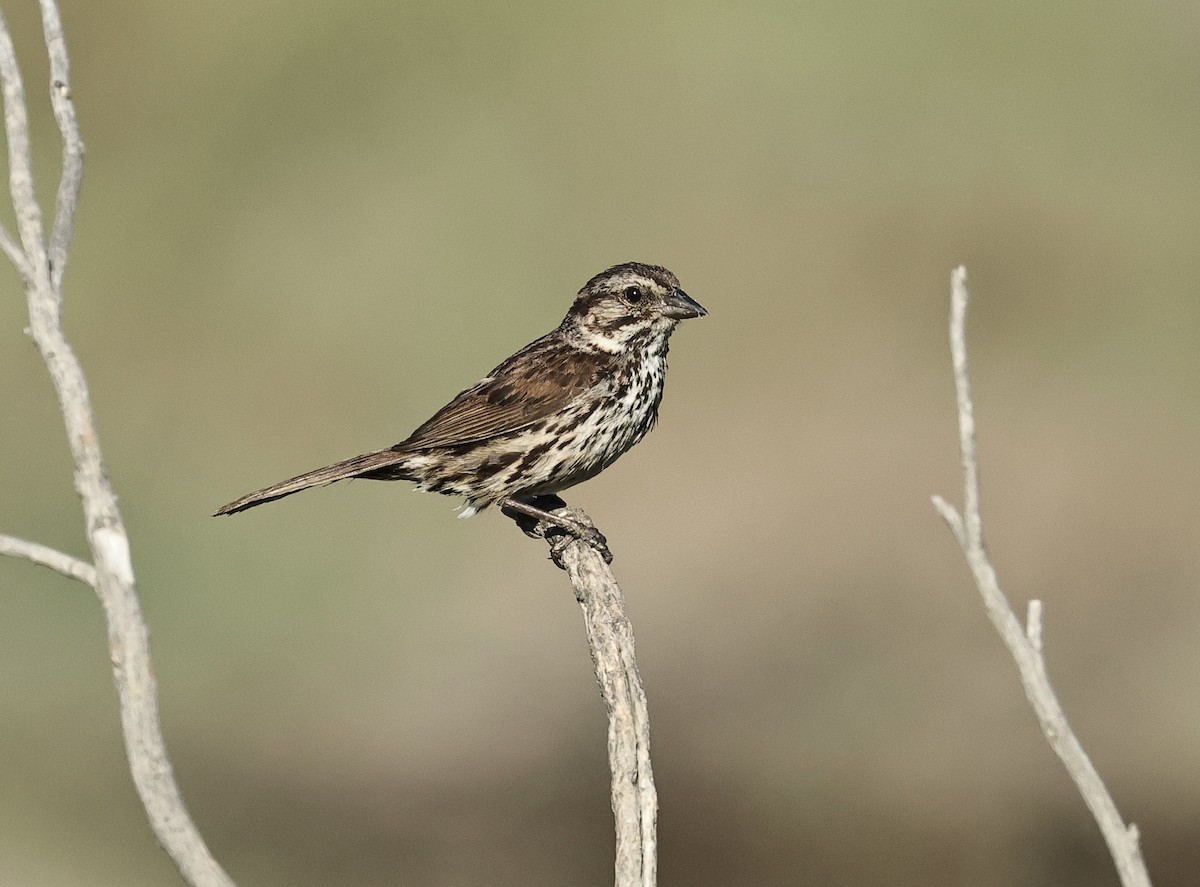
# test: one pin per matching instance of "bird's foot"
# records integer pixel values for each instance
(536, 518)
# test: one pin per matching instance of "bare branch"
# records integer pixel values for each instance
(113, 569)
(71, 567)
(20, 164)
(1024, 644)
(1033, 625)
(950, 515)
(610, 640)
(16, 255)
(72, 162)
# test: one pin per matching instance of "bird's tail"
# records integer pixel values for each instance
(381, 465)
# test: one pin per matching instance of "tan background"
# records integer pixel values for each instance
(305, 226)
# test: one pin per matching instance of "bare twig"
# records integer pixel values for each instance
(1033, 625)
(1025, 644)
(41, 268)
(16, 255)
(72, 162)
(71, 567)
(610, 640)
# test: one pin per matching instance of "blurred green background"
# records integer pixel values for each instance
(305, 226)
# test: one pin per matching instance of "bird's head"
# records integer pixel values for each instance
(629, 302)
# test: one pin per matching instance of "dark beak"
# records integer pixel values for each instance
(680, 306)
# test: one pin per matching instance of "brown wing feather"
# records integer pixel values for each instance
(536, 382)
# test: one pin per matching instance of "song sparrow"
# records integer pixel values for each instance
(559, 411)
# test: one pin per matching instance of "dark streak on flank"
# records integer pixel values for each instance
(501, 460)
(534, 454)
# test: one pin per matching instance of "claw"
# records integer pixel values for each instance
(536, 519)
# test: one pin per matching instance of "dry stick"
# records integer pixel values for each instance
(67, 200)
(41, 268)
(45, 556)
(610, 640)
(1025, 644)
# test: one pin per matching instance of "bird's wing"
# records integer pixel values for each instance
(536, 382)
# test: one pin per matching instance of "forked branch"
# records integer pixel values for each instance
(41, 265)
(1025, 643)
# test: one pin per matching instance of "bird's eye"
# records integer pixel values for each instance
(633, 294)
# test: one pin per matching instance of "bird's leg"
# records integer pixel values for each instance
(528, 513)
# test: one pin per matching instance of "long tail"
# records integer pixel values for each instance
(373, 465)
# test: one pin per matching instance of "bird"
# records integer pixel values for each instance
(554, 414)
